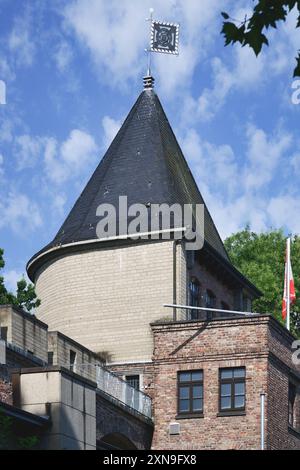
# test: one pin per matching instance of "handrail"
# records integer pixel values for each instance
(118, 388)
(205, 309)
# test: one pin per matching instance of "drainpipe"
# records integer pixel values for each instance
(174, 278)
(262, 421)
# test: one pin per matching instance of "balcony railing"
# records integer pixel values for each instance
(123, 392)
(190, 308)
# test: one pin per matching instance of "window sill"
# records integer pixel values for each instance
(190, 416)
(231, 413)
(294, 431)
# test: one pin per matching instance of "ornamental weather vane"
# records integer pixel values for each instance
(164, 38)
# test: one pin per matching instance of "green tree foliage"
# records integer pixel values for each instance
(25, 296)
(251, 31)
(8, 439)
(261, 258)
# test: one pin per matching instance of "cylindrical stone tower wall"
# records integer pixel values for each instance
(106, 298)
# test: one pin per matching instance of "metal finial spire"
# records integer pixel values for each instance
(164, 39)
(149, 50)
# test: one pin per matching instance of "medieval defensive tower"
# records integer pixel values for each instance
(104, 293)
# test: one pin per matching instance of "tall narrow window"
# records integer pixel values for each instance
(210, 299)
(232, 389)
(3, 333)
(132, 398)
(133, 380)
(292, 409)
(194, 298)
(50, 358)
(72, 360)
(190, 392)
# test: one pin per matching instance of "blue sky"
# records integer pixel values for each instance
(74, 68)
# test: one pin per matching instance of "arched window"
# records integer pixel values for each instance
(194, 297)
(210, 299)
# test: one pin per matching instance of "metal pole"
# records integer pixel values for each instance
(288, 301)
(149, 49)
(262, 421)
(204, 309)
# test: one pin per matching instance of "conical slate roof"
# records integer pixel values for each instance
(144, 163)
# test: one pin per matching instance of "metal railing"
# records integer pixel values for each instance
(208, 309)
(123, 392)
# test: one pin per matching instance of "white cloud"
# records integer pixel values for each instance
(241, 192)
(1, 166)
(212, 165)
(20, 42)
(27, 150)
(6, 130)
(69, 159)
(110, 127)
(284, 210)
(264, 155)
(244, 74)
(295, 162)
(19, 213)
(63, 56)
(116, 34)
(243, 71)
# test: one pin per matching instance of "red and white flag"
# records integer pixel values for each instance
(289, 294)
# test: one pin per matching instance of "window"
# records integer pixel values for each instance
(133, 380)
(3, 333)
(210, 299)
(292, 408)
(195, 297)
(72, 359)
(50, 358)
(190, 392)
(247, 304)
(132, 397)
(232, 389)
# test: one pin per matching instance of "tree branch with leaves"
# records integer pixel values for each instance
(261, 258)
(251, 31)
(25, 296)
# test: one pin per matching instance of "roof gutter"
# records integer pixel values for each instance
(101, 240)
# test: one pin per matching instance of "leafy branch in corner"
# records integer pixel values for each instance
(251, 31)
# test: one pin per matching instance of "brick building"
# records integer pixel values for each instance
(204, 366)
(208, 381)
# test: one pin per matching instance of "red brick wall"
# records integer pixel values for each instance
(222, 343)
(5, 385)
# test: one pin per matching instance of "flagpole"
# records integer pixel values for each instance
(288, 300)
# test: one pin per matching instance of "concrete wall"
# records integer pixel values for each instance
(25, 331)
(105, 299)
(61, 346)
(2, 352)
(72, 403)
